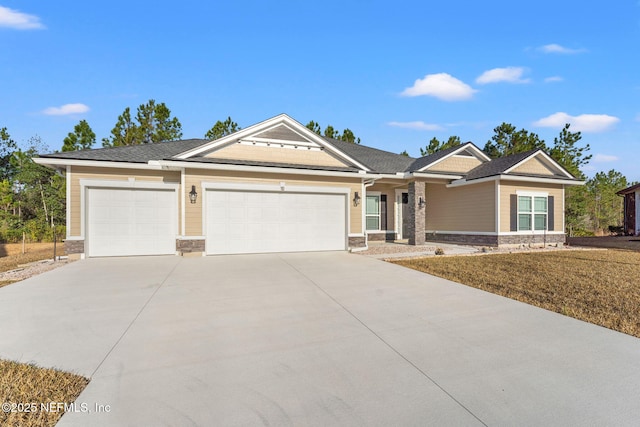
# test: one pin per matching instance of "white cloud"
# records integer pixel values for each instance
(66, 109)
(20, 21)
(507, 74)
(553, 79)
(417, 125)
(582, 123)
(556, 48)
(603, 158)
(442, 86)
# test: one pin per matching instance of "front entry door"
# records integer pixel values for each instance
(405, 215)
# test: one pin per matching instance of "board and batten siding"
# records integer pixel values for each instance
(467, 208)
(111, 174)
(276, 154)
(193, 212)
(509, 188)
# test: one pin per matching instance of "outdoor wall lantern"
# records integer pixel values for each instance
(193, 195)
(421, 202)
(356, 199)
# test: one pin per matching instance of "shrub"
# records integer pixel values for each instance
(439, 251)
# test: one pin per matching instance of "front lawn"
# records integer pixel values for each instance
(600, 287)
(33, 396)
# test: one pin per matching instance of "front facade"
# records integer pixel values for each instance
(278, 187)
(631, 209)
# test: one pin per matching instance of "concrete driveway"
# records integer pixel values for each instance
(311, 339)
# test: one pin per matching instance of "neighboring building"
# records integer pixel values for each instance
(631, 209)
(278, 187)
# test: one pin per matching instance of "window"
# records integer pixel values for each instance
(373, 212)
(532, 213)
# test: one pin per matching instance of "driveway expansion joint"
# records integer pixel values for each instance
(153, 294)
(387, 344)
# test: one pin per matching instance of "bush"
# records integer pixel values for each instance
(579, 232)
(439, 251)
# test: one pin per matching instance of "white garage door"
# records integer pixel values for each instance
(131, 222)
(254, 222)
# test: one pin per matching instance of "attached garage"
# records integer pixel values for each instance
(266, 220)
(130, 221)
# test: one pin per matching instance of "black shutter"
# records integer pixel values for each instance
(550, 213)
(383, 212)
(514, 212)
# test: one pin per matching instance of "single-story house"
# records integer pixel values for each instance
(278, 187)
(631, 209)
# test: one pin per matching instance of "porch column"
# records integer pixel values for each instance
(416, 213)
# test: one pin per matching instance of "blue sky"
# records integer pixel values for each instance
(396, 73)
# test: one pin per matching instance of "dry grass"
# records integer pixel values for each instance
(600, 287)
(11, 256)
(28, 384)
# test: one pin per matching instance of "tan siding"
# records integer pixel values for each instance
(277, 155)
(467, 208)
(455, 164)
(193, 212)
(533, 166)
(112, 174)
(507, 188)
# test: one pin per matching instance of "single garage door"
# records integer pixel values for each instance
(257, 221)
(131, 222)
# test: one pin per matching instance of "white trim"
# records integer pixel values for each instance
(432, 175)
(181, 201)
(190, 237)
(478, 152)
(95, 163)
(68, 202)
(564, 216)
(533, 195)
(397, 220)
(273, 188)
(245, 168)
(497, 205)
(462, 182)
(261, 127)
(356, 235)
(75, 238)
(546, 157)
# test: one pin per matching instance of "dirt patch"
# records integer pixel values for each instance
(37, 258)
(614, 242)
(34, 396)
(598, 286)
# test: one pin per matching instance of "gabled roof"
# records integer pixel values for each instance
(628, 190)
(424, 162)
(505, 164)
(142, 153)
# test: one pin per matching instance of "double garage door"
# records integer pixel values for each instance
(144, 222)
(260, 221)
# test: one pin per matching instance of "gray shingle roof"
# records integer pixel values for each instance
(498, 166)
(132, 153)
(377, 160)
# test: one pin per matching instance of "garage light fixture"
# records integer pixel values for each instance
(193, 195)
(421, 202)
(356, 199)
